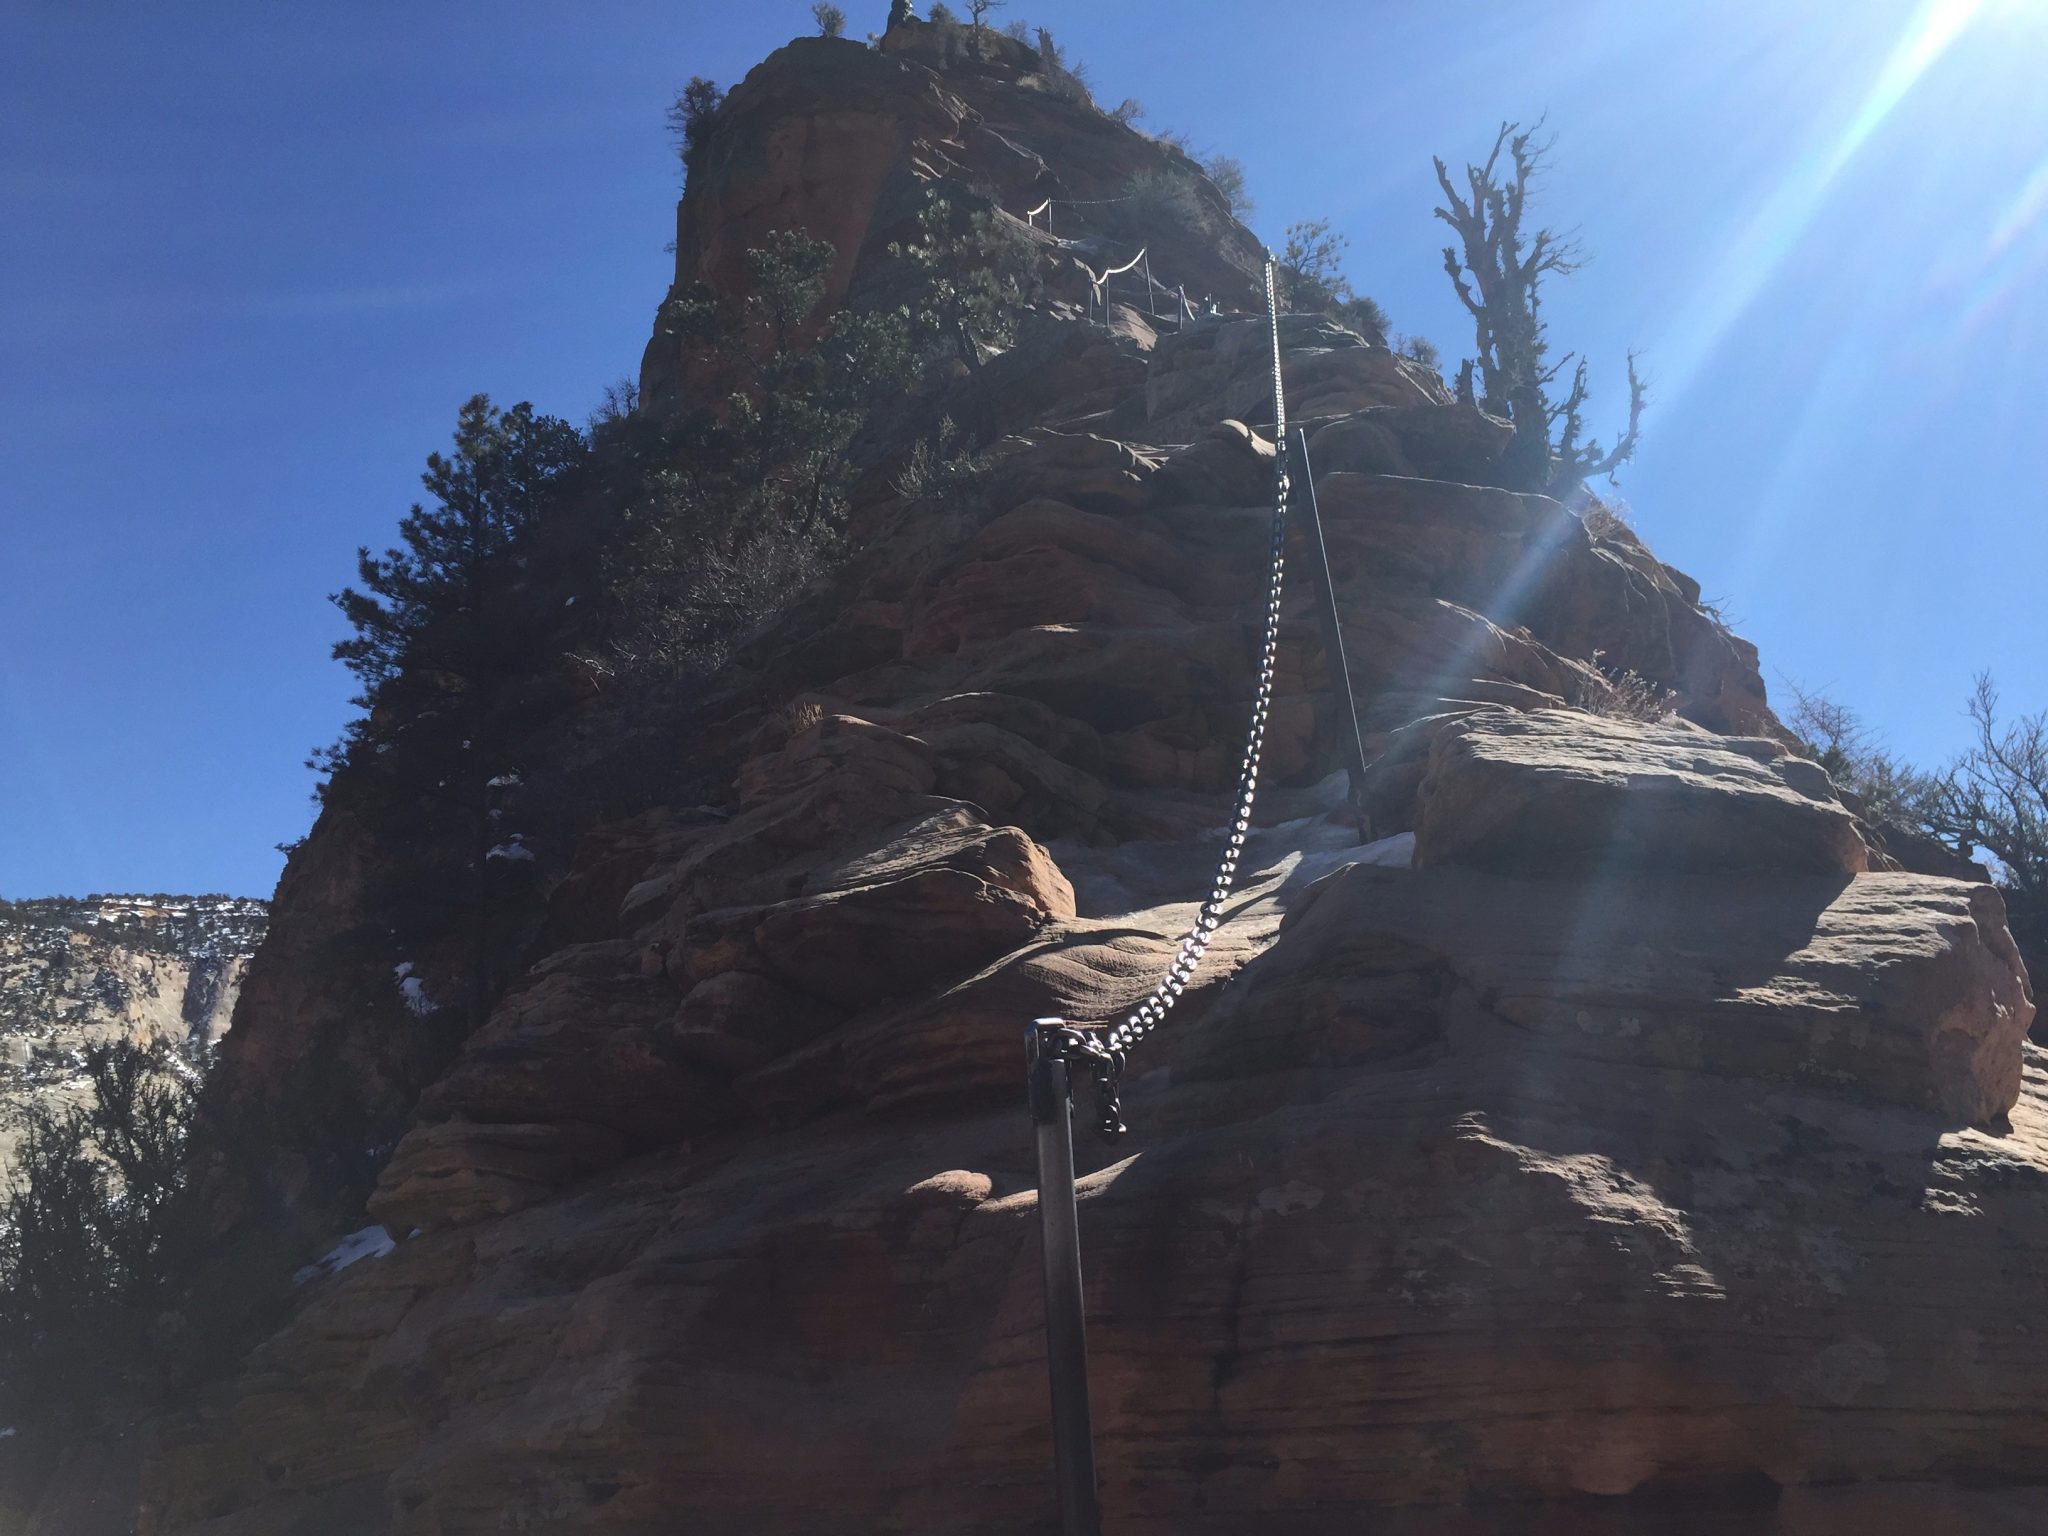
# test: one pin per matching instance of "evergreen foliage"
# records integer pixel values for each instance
(1227, 174)
(1312, 274)
(979, 274)
(90, 1235)
(444, 636)
(692, 113)
(505, 465)
(744, 509)
(830, 19)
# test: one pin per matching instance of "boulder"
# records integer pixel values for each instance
(1894, 988)
(943, 896)
(1559, 790)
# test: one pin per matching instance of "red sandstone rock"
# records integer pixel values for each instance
(1640, 1163)
(1561, 790)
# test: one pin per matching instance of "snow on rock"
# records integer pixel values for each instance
(1396, 852)
(515, 851)
(413, 989)
(370, 1243)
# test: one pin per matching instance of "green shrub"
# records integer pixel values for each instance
(977, 276)
(89, 1226)
(742, 513)
(1227, 173)
(940, 467)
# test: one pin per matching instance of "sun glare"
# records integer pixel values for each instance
(1760, 247)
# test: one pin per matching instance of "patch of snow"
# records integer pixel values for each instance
(569, 602)
(370, 1243)
(1396, 852)
(412, 989)
(6, 1434)
(516, 851)
(504, 781)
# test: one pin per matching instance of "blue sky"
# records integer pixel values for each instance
(254, 256)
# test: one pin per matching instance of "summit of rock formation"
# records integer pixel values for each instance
(1623, 1139)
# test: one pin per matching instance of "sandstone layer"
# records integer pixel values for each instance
(1619, 1142)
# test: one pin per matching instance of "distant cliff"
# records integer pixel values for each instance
(76, 971)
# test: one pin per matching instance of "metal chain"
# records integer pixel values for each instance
(1109, 1053)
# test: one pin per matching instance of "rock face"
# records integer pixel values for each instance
(843, 141)
(84, 971)
(1617, 1144)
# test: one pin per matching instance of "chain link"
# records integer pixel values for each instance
(1111, 1052)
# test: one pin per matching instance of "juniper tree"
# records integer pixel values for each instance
(830, 19)
(1497, 270)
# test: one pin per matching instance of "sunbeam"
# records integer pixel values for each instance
(1761, 245)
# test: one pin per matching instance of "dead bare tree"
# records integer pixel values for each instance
(1993, 800)
(1498, 273)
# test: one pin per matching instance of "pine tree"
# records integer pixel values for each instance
(439, 639)
(504, 465)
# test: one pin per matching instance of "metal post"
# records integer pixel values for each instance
(1066, 1342)
(1151, 305)
(1333, 649)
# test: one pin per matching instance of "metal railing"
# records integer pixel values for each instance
(1058, 1051)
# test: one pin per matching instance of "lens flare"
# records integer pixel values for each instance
(1760, 247)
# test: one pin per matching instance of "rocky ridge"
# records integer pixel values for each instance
(1622, 1140)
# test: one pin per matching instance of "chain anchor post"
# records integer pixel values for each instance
(1051, 1049)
